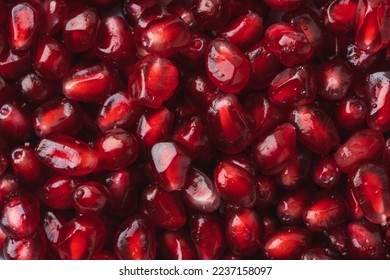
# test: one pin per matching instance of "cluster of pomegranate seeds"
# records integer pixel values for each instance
(195, 129)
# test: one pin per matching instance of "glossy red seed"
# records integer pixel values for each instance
(3, 164)
(55, 14)
(243, 160)
(8, 184)
(325, 172)
(288, 43)
(14, 63)
(244, 232)
(325, 212)
(81, 237)
(165, 208)
(294, 86)
(291, 207)
(370, 184)
(287, 243)
(285, 5)
(177, 246)
(339, 15)
(355, 211)
(363, 241)
(35, 89)
(135, 240)
(170, 164)
(199, 192)
(115, 43)
(267, 192)
(208, 235)
(226, 66)
(235, 185)
(200, 90)
(89, 84)
(80, 28)
(27, 248)
(272, 152)
(67, 155)
(15, 123)
(212, 14)
(90, 197)
(336, 237)
(132, 10)
(20, 215)
(230, 124)
(52, 223)
(117, 149)
(315, 129)
(57, 192)
(351, 113)
(360, 59)
(372, 28)
(386, 154)
(363, 145)
(196, 49)
(153, 81)
(24, 24)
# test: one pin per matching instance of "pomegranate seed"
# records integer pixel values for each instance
(67, 155)
(339, 15)
(79, 29)
(235, 185)
(288, 43)
(284, 5)
(57, 192)
(287, 243)
(177, 246)
(315, 129)
(293, 86)
(14, 63)
(89, 84)
(273, 152)
(90, 197)
(244, 232)
(360, 59)
(365, 144)
(267, 191)
(373, 22)
(201, 90)
(212, 14)
(133, 10)
(153, 81)
(8, 185)
(208, 235)
(115, 44)
(15, 123)
(170, 164)
(24, 24)
(230, 124)
(226, 66)
(325, 172)
(351, 113)
(52, 224)
(337, 238)
(81, 237)
(27, 248)
(20, 215)
(35, 89)
(355, 210)
(291, 207)
(56, 11)
(196, 49)
(3, 164)
(386, 154)
(243, 160)
(199, 192)
(135, 240)
(370, 185)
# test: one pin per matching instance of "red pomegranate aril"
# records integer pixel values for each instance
(153, 81)
(293, 86)
(117, 149)
(122, 185)
(6, 92)
(336, 237)
(373, 25)
(150, 14)
(56, 11)
(267, 192)
(14, 63)
(81, 237)
(212, 14)
(230, 126)
(226, 66)
(200, 90)
(243, 160)
(287, 243)
(57, 192)
(363, 241)
(177, 246)
(363, 145)
(52, 223)
(272, 152)
(165, 208)
(3, 164)
(208, 235)
(244, 232)
(20, 215)
(370, 184)
(67, 155)
(90, 197)
(355, 211)
(35, 89)
(170, 165)
(291, 207)
(334, 79)
(15, 123)
(196, 49)
(199, 192)
(378, 100)
(133, 10)
(318, 253)
(325, 172)
(245, 30)
(235, 185)
(360, 59)
(135, 240)
(386, 154)
(325, 212)
(8, 185)
(79, 29)
(89, 84)
(288, 43)
(166, 36)
(339, 15)
(351, 113)
(315, 129)
(115, 43)
(27, 248)
(284, 5)
(24, 20)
